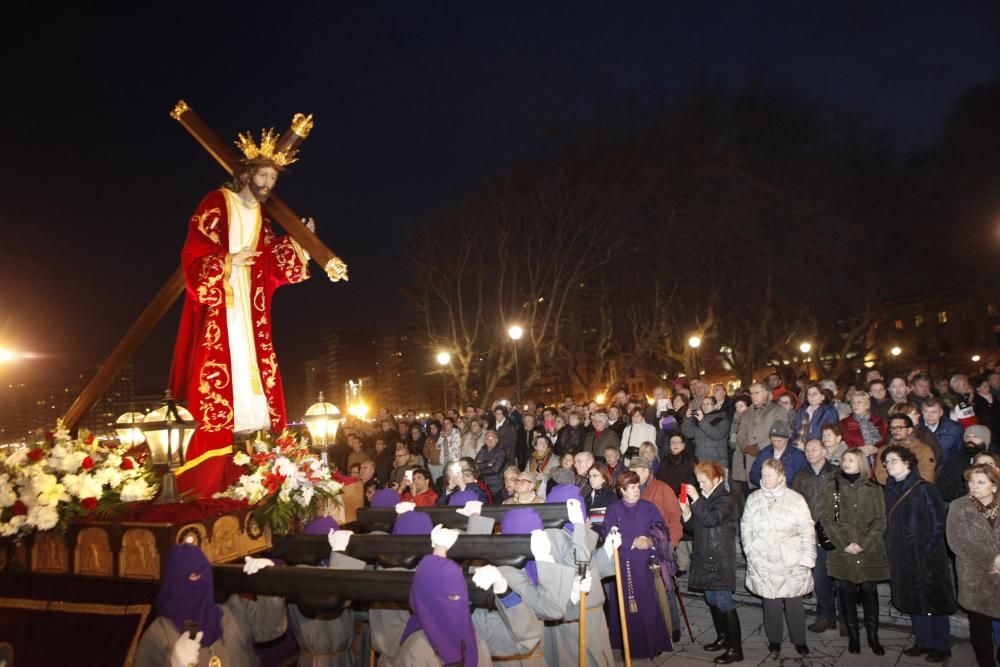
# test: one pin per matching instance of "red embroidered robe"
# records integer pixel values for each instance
(202, 374)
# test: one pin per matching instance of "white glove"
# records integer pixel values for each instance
(612, 542)
(541, 547)
(574, 511)
(255, 565)
(574, 592)
(472, 507)
(403, 508)
(586, 583)
(186, 650)
(488, 576)
(339, 539)
(443, 537)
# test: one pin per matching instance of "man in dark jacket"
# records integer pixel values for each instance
(525, 442)
(951, 480)
(947, 432)
(506, 432)
(791, 458)
(809, 482)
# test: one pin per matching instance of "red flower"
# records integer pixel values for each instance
(19, 508)
(273, 481)
(35, 454)
(89, 504)
(89, 440)
(87, 464)
(127, 464)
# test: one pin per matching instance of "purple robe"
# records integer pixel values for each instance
(647, 631)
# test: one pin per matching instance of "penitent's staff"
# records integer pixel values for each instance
(621, 600)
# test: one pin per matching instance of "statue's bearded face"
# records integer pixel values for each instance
(261, 182)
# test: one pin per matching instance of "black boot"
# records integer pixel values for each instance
(720, 630)
(869, 603)
(734, 650)
(849, 608)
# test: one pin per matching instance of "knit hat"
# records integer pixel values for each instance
(563, 476)
(977, 429)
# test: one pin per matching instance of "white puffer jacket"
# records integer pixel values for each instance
(779, 539)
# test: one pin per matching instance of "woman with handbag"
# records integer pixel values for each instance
(852, 517)
(918, 556)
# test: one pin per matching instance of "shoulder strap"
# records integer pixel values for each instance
(903, 497)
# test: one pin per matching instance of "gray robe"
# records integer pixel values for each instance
(326, 642)
(416, 651)
(243, 623)
(550, 601)
(511, 631)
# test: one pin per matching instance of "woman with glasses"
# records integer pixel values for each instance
(602, 492)
(852, 514)
(918, 557)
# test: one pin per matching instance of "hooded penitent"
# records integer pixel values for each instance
(413, 523)
(186, 592)
(523, 522)
(439, 599)
(459, 498)
(385, 498)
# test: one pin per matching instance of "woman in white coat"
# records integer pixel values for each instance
(779, 539)
(636, 433)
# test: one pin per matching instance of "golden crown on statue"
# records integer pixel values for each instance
(281, 152)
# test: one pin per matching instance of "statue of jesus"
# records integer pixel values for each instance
(224, 363)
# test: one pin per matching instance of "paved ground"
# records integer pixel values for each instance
(826, 649)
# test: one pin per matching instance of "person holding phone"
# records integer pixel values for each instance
(418, 488)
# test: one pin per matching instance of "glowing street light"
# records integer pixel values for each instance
(896, 351)
(976, 358)
(515, 332)
(8, 355)
(443, 358)
(599, 399)
(694, 342)
(805, 347)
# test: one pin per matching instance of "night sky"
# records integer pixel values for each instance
(417, 104)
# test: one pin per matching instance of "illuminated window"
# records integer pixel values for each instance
(899, 324)
(918, 321)
(942, 317)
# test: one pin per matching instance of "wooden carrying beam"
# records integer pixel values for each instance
(553, 516)
(404, 550)
(322, 589)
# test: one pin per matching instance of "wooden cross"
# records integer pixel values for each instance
(278, 210)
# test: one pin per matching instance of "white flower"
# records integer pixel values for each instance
(305, 497)
(12, 526)
(107, 476)
(113, 460)
(43, 517)
(241, 458)
(71, 462)
(259, 446)
(7, 494)
(58, 452)
(83, 486)
(136, 489)
(17, 458)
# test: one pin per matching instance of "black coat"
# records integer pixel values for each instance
(678, 470)
(569, 440)
(713, 551)
(915, 538)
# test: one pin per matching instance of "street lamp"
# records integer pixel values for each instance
(443, 359)
(7, 356)
(168, 430)
(515, 333)
(694, 342)
(805, 347)
(322, 419)
(976, 358)
(896, 351)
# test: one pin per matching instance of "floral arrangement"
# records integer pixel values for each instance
(288, 483)
(44, 487)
